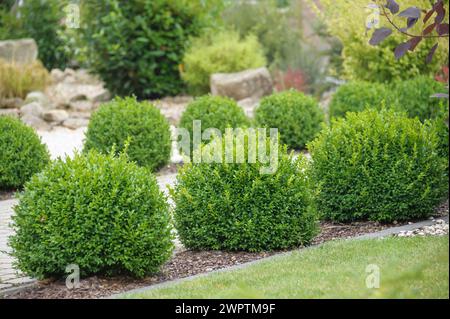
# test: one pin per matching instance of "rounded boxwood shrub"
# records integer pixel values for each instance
(355, 96)
(100, 212)
(21, 153)
(298, 117)
(233, 206)
(378, 165)
(141, 123)
(414, 97)
(213, 112)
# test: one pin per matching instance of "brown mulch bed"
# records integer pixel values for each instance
(187, 263)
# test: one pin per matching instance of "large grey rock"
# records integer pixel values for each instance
(75, 123)
(81, 106)
(254, 83)
(11, 103)
(23, 51)
(35, 122)
(33, 108)
(64, 93)
(55, 116)
(9, 112)
(38, 97)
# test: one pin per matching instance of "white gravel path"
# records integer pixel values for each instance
(62, 142)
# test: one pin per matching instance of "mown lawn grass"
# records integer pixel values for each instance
(409, 268)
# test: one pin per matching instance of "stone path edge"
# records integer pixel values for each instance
(379, 234)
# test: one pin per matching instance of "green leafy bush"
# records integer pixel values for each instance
(362, 61)
(298, 117)
(137, 46)
(378, 165)
(414, 97)
(21, 153)
(102, 213)
(122, 119)
(40, 20)
(233, 206)
(223, 52)
(213, 112)
(355, 96)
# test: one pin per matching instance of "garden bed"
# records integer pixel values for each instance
(187, 263)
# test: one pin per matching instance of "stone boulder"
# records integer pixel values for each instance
(254, 84)
(11, 103)
(33, 108)
(23, 51)
(10, 112)
(55, 116)
(35, 122)
(75, 123)
(38, 97)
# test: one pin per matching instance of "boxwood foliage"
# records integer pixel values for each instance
(137, 46)
(141, 123)
(101, 212)
(414, 97)
(21, 153)
(213, 112)
(298, 117)
(232, 206)
(378, 165)
(355, 96)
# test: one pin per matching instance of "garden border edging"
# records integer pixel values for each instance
(379, 234)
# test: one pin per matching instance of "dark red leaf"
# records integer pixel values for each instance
(401, 49)
(429, 29)
(431, 53)
(392, 6)
(440, 95)
(411, 22)
(379, 35)
(440, 13)
(442, 29)
(414, 42)
(411, 12)
(428, 16)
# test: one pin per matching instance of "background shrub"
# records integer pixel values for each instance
(17, 80)
(361, 61)
(355, 96)
(21, 153)
(213, 112)
(298, 117)
(223, 52)
(235, 207)
(379, 166)
(40, 20)
(141, 122)
(414, 97)
(137, 46)
(278, 25)
(104, 214)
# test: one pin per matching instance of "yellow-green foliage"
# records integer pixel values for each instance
(220, 53)
(377, 63)
(16, 80)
